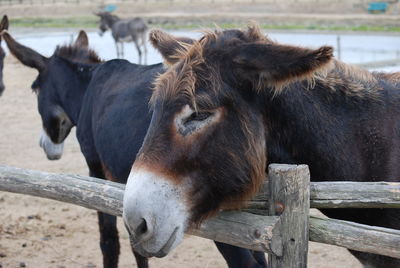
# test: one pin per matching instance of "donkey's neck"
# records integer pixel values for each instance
(111, 20)
(308, 126)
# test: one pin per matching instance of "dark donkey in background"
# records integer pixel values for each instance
(125, 30)
(3, 26)
(236, 101)
(108, 103)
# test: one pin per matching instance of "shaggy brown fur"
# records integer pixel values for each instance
(192, 59)
(290, 104)
(192, 56)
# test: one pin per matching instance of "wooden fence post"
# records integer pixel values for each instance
(289, 187)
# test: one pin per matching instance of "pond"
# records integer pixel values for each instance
(355, 48)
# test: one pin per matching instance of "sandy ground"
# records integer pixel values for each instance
(37, 232)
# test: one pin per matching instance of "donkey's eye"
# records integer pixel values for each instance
(189, 122)
(198, 116)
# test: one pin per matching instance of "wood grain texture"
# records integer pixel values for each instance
(237, 228)
(360, 237)
(289, 192)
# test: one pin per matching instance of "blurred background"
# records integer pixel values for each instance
(362, 32)
(41, 233)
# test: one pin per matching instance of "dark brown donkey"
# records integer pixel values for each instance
(61, 87)
(3, 26)
(236, 101)
(108, 104)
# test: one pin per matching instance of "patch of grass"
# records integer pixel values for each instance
(91, 22)
(77, 22)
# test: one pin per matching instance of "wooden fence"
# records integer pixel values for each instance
(286, 197)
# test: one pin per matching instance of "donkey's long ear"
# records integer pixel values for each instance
(274, 65)
(4, 23)
(82, 40)
(168, 45)
(24, 54)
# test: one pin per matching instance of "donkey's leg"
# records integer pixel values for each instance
(369, 260)
(117, 48)
(237, 257)
(259, 256)
(136, 42)
(144, 48)
(109, 242)
(122, 50)
(387, 218)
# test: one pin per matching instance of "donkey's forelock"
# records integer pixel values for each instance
(77, 54)
(213, 41)
(197, 63)
(193, 68)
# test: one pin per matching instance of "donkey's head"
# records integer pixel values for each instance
(106, 21)
(3, 26)
(205, 149)
(57, 87)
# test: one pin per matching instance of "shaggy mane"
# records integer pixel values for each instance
(183, 77)
(195, 64)
(74, 53)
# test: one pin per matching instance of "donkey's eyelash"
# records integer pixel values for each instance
(198, 116)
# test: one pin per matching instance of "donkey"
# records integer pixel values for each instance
(61, 87)
(108, 103)
(236, 101)
(125, 30)
(3, 26)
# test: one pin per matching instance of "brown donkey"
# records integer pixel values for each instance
(236, 101)
(103, 100)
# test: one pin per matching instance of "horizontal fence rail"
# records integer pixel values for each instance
(242, 229)
(237, 228)
(342, 194)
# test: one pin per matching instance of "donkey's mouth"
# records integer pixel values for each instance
(162, 252)
(167, 247)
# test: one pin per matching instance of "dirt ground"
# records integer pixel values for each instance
(37, 232)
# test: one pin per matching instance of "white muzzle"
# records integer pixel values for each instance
(53, 151)
(154, 213)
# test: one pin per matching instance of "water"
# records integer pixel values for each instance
(355, 48)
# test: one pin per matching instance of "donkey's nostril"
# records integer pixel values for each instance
(141, 229)
(142, 232)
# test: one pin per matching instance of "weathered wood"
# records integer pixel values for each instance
(355, 195)
(333, 194)
(356, 236)
(84, 191)
(240, 229)
(237, 228)
(290, 199)
(257, 232)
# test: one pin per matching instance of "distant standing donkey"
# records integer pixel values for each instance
(125, 30)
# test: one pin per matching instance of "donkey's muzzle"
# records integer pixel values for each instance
(53, 151)
(154, 213)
